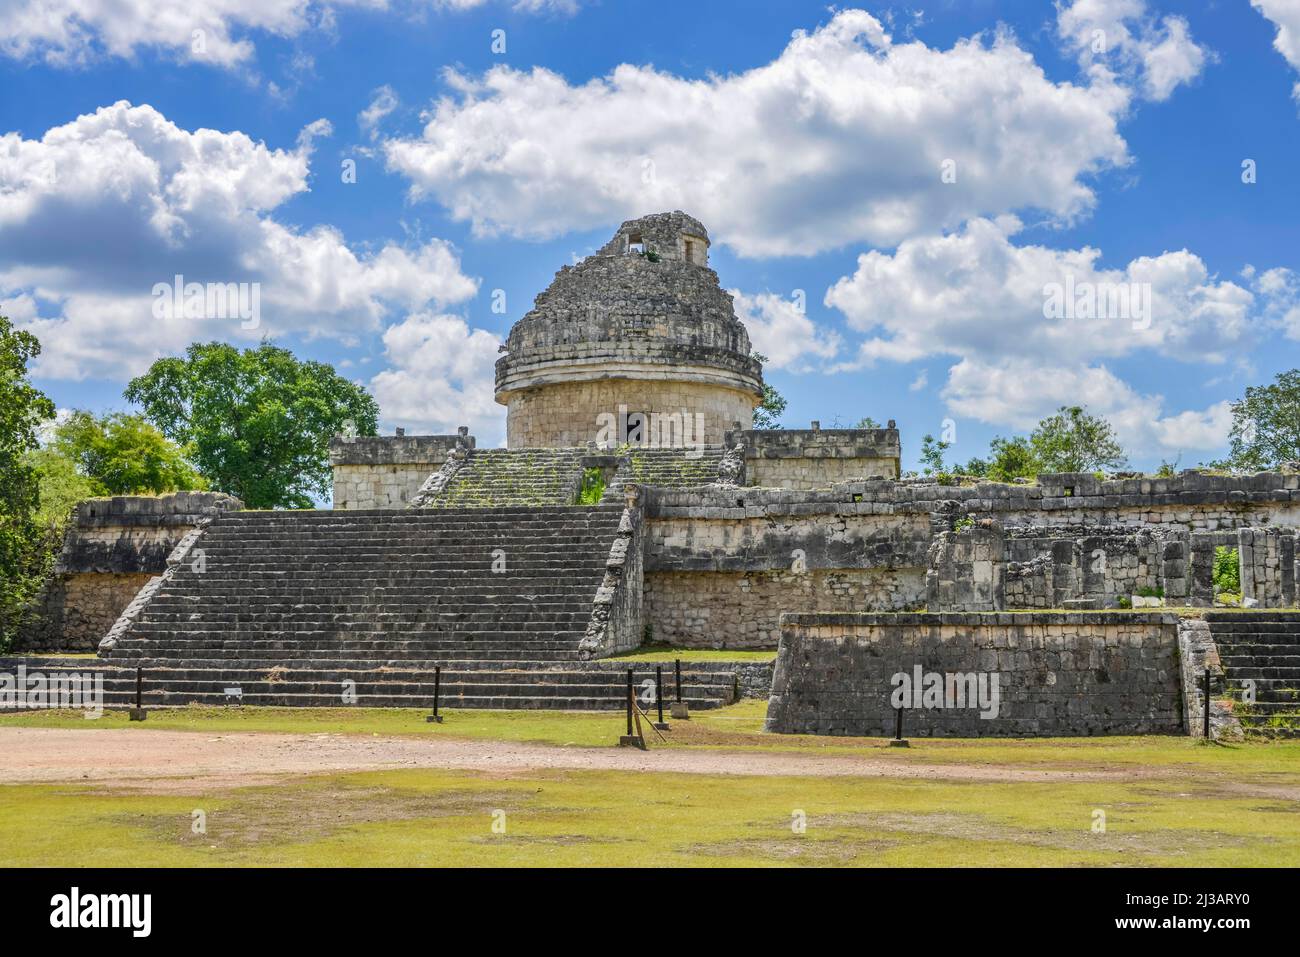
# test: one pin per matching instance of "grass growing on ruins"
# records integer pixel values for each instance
(605, 818)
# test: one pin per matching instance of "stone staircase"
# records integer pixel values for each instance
(1263, 646)
(333, 608)
(513, 477)
(670, 468)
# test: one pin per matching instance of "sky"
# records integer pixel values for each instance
(898, 195)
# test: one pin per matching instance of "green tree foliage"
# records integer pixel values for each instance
(1011, 459)
(257, 422)
(62, 487)
(22, 410)
(1074, 441)
(769, 411)
(124, 455)
(1227, 570)
(867, 422)
(932, 452)
(1265, 426)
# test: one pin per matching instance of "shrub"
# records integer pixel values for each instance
(593, 486)
(1227, 570)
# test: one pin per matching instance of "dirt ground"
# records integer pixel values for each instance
(180, 760)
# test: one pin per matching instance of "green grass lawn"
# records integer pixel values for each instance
(603, 818)
(1183, 805)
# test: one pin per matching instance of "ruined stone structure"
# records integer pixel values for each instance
(640, 335)
(633, 503)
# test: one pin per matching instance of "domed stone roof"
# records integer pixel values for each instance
(644, 306)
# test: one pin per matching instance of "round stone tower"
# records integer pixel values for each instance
(630, 337)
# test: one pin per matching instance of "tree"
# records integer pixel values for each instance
(257, 422)
(1074, 441)
(1011, 459)
(1265, 426)
(932, 451)
(23, 408)
(867, 422)
(125, 455)
(769, 411)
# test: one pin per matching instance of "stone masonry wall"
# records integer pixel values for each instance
(743, 609)
(387, 471)
(1267, 566)
(567, 415)
(1057, 673)
(817, 458)
(112, 548)
(719, 577)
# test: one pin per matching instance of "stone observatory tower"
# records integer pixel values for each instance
(639, 331)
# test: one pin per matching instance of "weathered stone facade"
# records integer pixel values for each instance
(1057, 674)
(743, 609)
(642, 327)
(386, 472)
(817, 458)
(112, 549)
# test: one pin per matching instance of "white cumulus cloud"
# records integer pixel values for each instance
(1119, 38)
(97, 212)
(440, 377)
(842, 138)
(1285, 15)
(780, 329)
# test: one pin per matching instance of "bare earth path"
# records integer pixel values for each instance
(181, 760)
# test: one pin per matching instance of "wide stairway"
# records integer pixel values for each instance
(506, 477)
(358, 607)
(667, 468)
(1263, 647)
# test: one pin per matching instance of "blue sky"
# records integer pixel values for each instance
(1100, 141)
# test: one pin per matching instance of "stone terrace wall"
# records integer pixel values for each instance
(1267, 566)
(723, 564)
(1058, 673)
(743, 609)
(386, 471)
(112, 549)
(817, 458)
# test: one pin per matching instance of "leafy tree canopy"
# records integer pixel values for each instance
(1074, 441)
(1265, 426)
(124, 455)
(257, 422)
(769, 411)
(23, 408)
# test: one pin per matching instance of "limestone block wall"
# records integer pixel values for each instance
(1056, 674)
(967, 570)
(1267, 566)
(112, 549)
(817, 458)
(743, 609)
(387, 471)
(720, 571)
(568, 414)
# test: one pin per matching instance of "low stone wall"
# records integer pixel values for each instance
(817, 458)
(1031, 673)
(375, 471)
(743, 609)
(112, 549)
(1267, 566)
